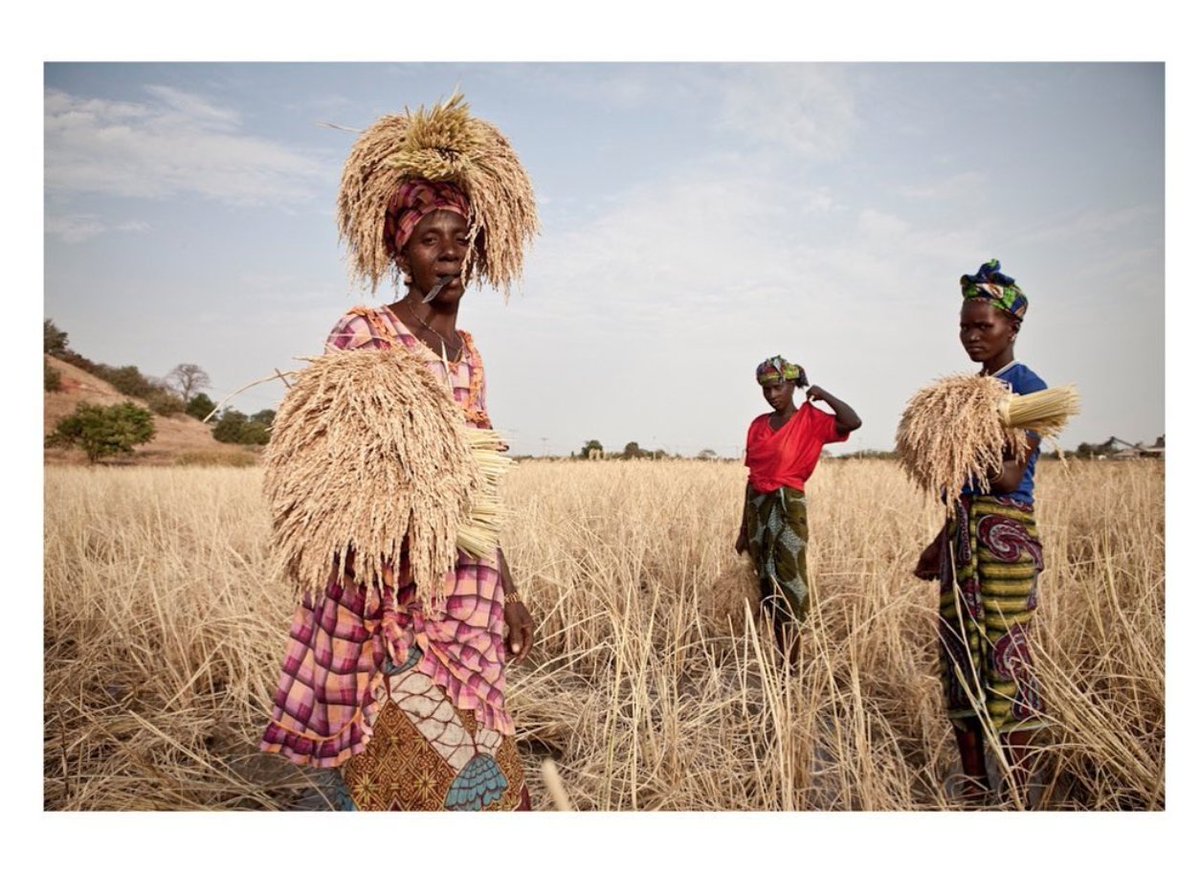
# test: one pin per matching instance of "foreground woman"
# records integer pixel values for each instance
(407, 700)
(987, 559)
(782, 450)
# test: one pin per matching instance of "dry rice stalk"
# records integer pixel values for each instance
(960, 428)
(369, 453)
(554, 785)
(443, 144)
(1045, 412)
(951, 432)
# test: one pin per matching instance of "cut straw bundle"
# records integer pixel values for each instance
(1046, 412)
(369, 454)
(442, 144)
(960, 429)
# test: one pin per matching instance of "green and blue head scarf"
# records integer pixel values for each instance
(779, 369)
(997, 289)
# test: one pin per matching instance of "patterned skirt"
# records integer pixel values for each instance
(990, 560)
(777, 528)
(425, 754)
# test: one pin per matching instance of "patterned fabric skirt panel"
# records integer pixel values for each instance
(777, 528)
(425, 754)
(991, 558)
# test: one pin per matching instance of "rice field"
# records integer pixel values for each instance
(652, 686)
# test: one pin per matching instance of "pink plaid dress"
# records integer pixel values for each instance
(332, 683)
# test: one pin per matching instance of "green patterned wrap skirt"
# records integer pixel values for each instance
(777, 528)
(990, 560)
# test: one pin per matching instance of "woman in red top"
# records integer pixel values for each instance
(782, 449)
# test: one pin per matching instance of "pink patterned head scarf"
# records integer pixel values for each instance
(415, 199)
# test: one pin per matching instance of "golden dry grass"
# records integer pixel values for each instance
(647, 689)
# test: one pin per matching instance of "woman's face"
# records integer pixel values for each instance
(984, 330)
(779, 394)
(436, 249)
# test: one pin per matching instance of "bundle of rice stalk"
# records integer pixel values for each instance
(444, 143)
(370, 456)
(1045, 412)
(962, 427)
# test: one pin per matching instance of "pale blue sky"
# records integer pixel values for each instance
(697, 218)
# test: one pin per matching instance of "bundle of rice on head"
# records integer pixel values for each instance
(370, 455)
(961, 428)
(442, 146)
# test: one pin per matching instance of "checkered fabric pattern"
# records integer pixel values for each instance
(325, 703)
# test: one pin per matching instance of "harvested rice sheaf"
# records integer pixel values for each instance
(444, 144)
(961, 427)
(370, 453)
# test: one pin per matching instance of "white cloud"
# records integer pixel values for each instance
(961, 186)
(79, 228)
(792, 109)
(1094, 224)
(173, 144)
(807, 109)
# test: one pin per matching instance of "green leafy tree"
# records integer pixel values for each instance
(632, 451)
(165, 403)
(265, 417)
(128, 380)
(229, 427)
(589, 446)
(255, 433)
(54, 341)
(200, 406)
(52, 379)
(103, 431)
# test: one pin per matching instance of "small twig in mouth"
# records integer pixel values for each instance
(437, 288)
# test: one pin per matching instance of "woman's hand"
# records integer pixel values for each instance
(520, 630)
(743, 542)
(847, 418)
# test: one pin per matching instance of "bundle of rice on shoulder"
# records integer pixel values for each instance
(370, 456)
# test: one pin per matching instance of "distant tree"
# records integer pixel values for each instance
(589, 447)
(165, 403)
(187, 380)
(54, 341)
(255, 433)
(102, 431)
(707, 455)
(1161, 442)
(631, 451)
(52, 379)
(237, 427)
(1085, 450)
(128, 380)
(229, 426)
(200, 406)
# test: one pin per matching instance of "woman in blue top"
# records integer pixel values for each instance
(987, 559)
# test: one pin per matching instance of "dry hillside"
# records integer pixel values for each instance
(178, 438)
